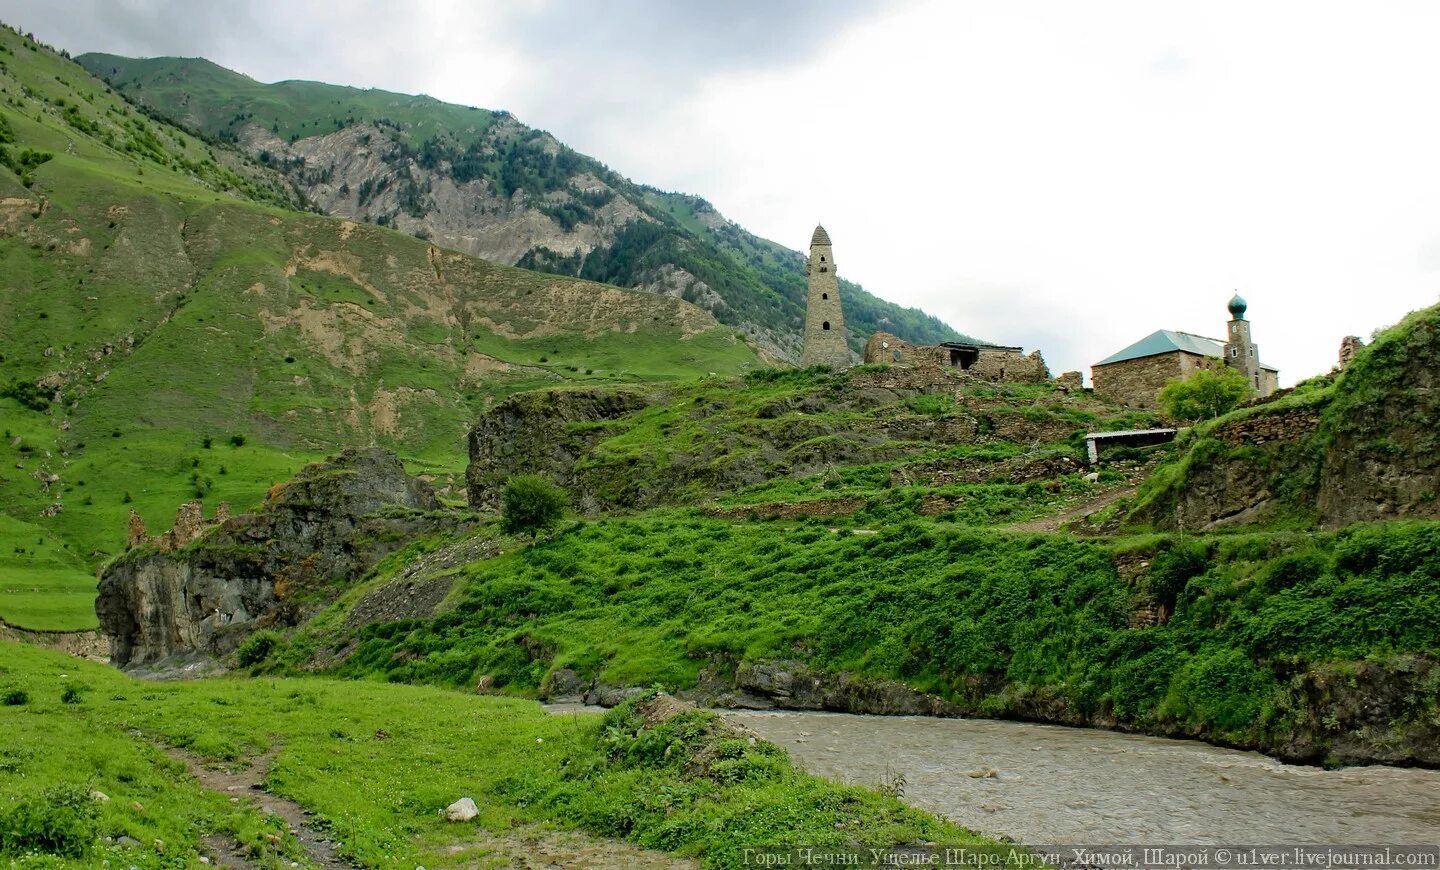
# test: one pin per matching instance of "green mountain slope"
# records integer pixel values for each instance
(480, 181)
(170, 329)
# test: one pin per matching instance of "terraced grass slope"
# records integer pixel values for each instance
(170, 329)
(480, 181)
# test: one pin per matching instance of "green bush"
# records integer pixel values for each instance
(1205, 394)
(530, 504)
(72, 694)
(14, 696)
(62, 820)
(28, 394)
(257, 648)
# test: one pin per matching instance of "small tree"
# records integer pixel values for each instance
(530, 503)
(1206, 393)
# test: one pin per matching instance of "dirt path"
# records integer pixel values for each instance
(245, 784)
(530, 847)
(1085, 508)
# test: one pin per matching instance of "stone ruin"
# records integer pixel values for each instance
(1349, 346)
(190, 525)
(960, 361)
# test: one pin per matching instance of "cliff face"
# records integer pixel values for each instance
(1364, 446)
(329, 524)
(1381, 435)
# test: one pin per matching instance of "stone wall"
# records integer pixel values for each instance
(1136, 383)
(823, 508)
(86, 644)
(1237, 483)
(997, 364)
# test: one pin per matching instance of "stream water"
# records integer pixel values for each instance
(1048, 784)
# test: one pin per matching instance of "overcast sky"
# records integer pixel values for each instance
(1068, 176)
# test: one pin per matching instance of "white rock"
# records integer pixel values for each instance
(462, 810)
(100, 796)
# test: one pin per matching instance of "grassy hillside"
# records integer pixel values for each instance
(351, 755)
(1310, 647)
(546, 206)
(170, 330)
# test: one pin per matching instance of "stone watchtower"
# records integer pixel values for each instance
(1241, 354)
(824, 320)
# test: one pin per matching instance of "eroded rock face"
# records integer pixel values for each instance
(540, 433)
(326, 526)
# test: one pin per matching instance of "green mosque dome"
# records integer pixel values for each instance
(1237, 307)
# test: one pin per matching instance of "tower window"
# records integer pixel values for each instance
(824, 268)
(825, 325)
(824, 295)
(822, 258)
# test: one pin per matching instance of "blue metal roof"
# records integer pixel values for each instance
(1168, 341)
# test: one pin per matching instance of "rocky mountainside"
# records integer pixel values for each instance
(172, 329)
(482, 182)
(1360, 445)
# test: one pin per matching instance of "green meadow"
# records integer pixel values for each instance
(375, 764)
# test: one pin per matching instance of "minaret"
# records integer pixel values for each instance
(824, 319)
(1241, 354)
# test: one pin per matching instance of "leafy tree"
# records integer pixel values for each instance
(1206, 393)
(530, 503)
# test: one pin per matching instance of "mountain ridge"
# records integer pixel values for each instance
(481, 182)
(172, 328)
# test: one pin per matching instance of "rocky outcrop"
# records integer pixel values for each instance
(1381, 435)
(1233, 476)
(326, 526)
(1365, 713)
(1363, 448)
(541, 433)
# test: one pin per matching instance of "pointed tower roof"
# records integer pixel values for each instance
(821, 237)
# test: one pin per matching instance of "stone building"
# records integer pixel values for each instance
(1134, 376)
(988, 362)
(825, 336)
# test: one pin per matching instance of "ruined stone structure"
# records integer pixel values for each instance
(986, 362)
(825, 334)
(1134, 376)
(1349, 346)
(190, 525)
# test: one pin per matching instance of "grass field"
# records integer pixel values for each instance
(376, 763)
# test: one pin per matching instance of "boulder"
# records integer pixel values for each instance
(462, 810)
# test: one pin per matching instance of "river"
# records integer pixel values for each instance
(1047, 784)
